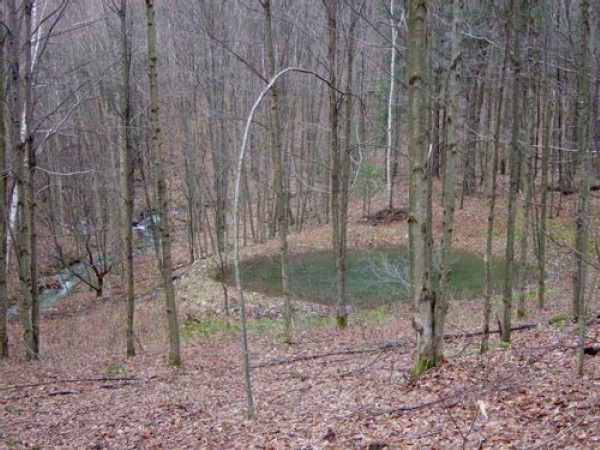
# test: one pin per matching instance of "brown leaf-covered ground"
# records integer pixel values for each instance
(331, 389)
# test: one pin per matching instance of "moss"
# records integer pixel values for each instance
(422, 366)
(559, 319)
(114, 370)
(500, 345)
(175, 361)
(341, 321)
(205, 327)
(11, 442)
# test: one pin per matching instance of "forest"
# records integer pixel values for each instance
(303, 224)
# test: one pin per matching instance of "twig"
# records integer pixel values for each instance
(525, 326)
(68, 380)
(458, 428)
(381, 348)
(567, 430)
(403, 409)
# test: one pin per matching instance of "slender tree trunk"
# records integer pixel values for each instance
(513, 164)
(582, 220)
(528, 175)
(469, 164)
(421, 292)
(20, 121)
(441, 305)
(337, 161)
(282, 202)
(30, 203)
(546, 152)
(390, 110)
(3, 197)
(161, 189)
(342, 314)
(126, 178)
(491, 187)
(436, 129)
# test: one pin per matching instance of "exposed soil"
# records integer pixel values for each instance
(387, 216)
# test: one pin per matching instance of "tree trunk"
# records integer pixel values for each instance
(161, 189)
(421, 292)
(546, 152)
(3, 198)
(390, 109)
(469, 164)
(448, 193)
(513, 167)
(582, 220)
(20, 116)
(342, 314)
(491, 187)
(531, 95)
(126, 179)
(282, 202)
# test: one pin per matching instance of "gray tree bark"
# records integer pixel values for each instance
(582, 221)
(513, 167)
(448, 193)
(491, 187)
(161, 189)
(282, 201)
(3, 195)
(126, 178)
(421, 291)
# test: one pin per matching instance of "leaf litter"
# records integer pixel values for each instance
(330, 389)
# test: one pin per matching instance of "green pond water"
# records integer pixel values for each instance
(373, 278)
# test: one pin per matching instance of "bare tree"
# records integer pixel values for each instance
(421, 289)
(513, 164)
(161, 190)
(448, 193)
(389, 163)
(3, 193)
(582, 221)
(282, 204)
(126, 176)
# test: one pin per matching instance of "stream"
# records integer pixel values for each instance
(67, 281)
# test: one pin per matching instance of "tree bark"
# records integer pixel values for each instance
(513, 167)
(448, 193)
(546, 152)
(582, 220)
(531, 95)
(126, 179)
(3, 197)
(342, 314)
(421, 292)
(389, 163)
(161, 189)
(491, 187)
(20, 116)
(282, 201)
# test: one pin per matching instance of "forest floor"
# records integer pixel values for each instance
(330, 389)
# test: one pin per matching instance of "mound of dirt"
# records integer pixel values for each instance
(386, 216)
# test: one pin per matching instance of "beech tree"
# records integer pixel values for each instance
(22, 146)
